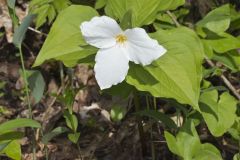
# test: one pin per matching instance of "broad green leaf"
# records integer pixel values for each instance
(187, 145)
(171, 142)
(65, 39)
(123, 90)
(59, 5)
(234, 131)
(18, 123)
(57, 131)
(236, 156)
(143, 11)
(13, 150)
(218, 112)
(170, 4)
(3, 145)
(158, 116)
(126, 21)
(177, 74)
(100, 4)
(207, 152)
(222, 42)
(21, 30)
(73, 137)
(71, 120)
(37, 85)
(12, 135)
(217, 20)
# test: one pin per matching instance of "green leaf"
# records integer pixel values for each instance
(49, 136)
(21, 30)
(71, 120)
(100, 4)
(37, 85)
(207, 152)
(18, 123)
(126, 21)
(12, 135)
(158, 116)
(65, 40)
(170, 4)
(222, 42)
(218, 112)
(42, 13)
(13, 150)
(236, 156)
(217, 20)
(188, 146)
(73, 137)
(180, 81)
(59, 5)
(3, 145)
(143, 11)
(117, 113)
(51, 14)
(171, 142)
(11, 3)
(123, 90)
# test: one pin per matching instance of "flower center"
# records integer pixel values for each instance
(121, 38)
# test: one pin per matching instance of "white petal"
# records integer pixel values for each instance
(111, 66)
(141, 48)
(100, 31)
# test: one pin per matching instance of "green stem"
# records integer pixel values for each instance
(140, 127)
(155, 103)
(30, 116)
(26, 83)
(79, 150)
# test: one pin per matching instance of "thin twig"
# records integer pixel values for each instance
(37, 31)
(224, 79)
(174, 18)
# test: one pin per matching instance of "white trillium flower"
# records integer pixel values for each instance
(117, 48)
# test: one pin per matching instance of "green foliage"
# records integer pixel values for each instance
(55, 132)
(19, 34)
(218, 114)
(180, 81)
(170, 4)
(188, 146)
(65, 41)
(143, 11)
(9, 143)
(18, 123)
(100, 4)
(47, 10)
(117, 113)
(72, 123)
(217, 20)
(36, 85)
(13, 150)
(176, 75)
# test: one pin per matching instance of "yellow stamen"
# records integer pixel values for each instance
(121, 38)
